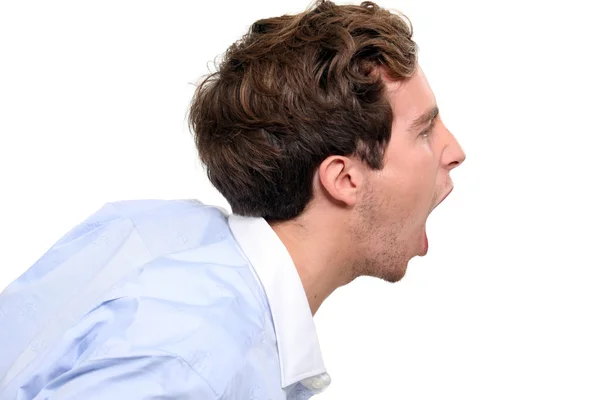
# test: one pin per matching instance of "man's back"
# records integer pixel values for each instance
(143, 299)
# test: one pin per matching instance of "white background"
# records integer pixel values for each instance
(93, 101)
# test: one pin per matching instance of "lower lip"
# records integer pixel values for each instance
(424, 244)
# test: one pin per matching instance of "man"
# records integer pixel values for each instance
(321, 131)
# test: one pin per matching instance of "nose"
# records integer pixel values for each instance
(454, 155)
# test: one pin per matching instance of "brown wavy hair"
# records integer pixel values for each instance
(293, 91)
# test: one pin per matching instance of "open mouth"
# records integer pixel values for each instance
(424, 239)
(424, 245)
(444, 197)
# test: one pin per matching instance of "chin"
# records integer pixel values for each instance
(396, 274)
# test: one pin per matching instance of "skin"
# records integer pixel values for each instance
(365, 222)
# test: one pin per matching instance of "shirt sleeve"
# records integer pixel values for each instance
(162, 377)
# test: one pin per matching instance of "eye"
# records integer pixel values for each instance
(427, 131)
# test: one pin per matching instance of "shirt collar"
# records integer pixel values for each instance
(300, 355)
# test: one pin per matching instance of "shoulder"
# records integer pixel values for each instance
(138, 208)
(209, 321)
(168, 226)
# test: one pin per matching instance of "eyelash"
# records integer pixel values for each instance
(428, 130)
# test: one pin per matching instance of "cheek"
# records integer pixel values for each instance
(421, 173)
(422, 189)
(411, 188)
(409, 178)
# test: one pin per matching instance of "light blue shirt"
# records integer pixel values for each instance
(157, 299)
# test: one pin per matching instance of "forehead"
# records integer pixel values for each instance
(410, 98)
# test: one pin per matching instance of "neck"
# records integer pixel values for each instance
(321, 265)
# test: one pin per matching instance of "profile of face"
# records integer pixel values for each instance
(391, 210)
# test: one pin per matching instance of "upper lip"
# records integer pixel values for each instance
(444, 197)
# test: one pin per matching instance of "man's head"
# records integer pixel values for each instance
(327, 116)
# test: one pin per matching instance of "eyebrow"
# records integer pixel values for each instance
(425, 119)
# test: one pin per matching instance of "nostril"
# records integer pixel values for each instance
(454, 164)
(458, 161)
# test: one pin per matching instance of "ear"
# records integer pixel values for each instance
(341, 178)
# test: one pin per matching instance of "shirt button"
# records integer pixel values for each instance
(317, 384)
